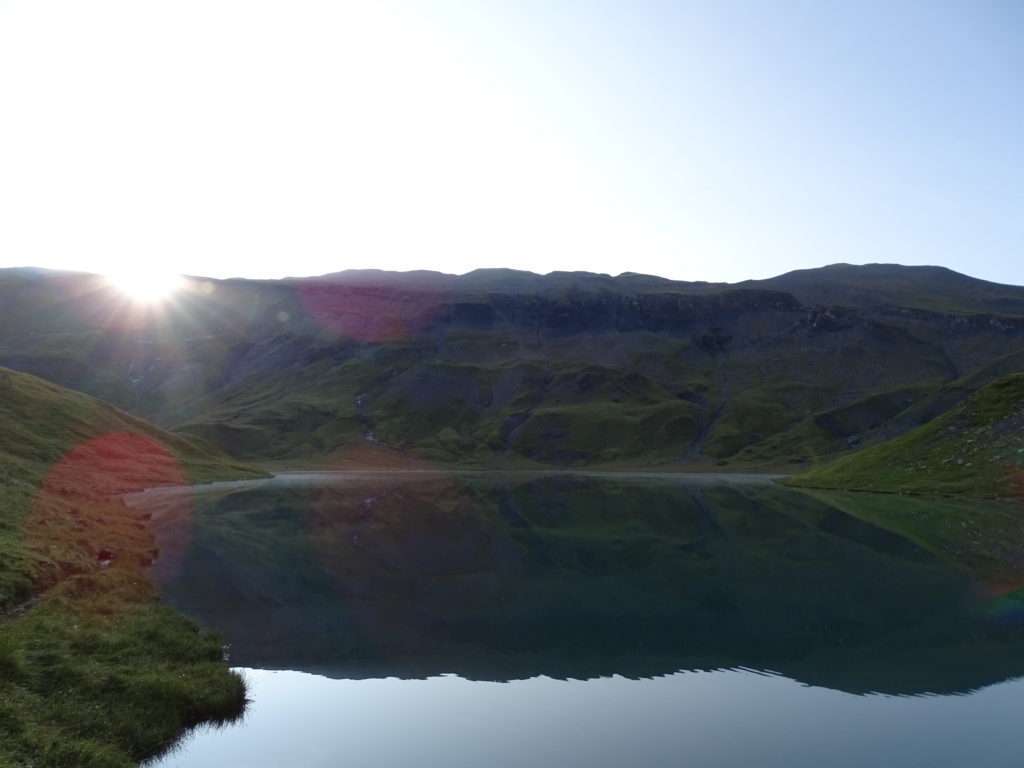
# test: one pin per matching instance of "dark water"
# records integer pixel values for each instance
(468, 621)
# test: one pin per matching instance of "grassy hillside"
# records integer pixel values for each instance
(976, 449)
(521, 406)
(93, 671)
(828, 434)
(504, 397)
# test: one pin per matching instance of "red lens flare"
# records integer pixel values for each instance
(79, 519)
(369, 313)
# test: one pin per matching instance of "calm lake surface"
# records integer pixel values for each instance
(511, 620)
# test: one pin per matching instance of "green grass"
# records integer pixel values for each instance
(605, 431)
(749, 418)
(442, 410)
(106, 680)
(976, 450)
(834, 431)
(93, 671)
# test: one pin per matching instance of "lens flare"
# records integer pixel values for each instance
(79, 518)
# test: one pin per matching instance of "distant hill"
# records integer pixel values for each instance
(934, 289)
(513, 281)
(504, 366)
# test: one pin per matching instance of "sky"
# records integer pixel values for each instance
(699, 141)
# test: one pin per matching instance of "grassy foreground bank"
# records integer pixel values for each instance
(94, 671)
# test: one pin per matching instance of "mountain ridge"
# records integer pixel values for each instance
(568, 369)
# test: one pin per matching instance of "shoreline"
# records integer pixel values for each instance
(305, 477)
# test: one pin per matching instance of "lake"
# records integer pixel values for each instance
(532, 620)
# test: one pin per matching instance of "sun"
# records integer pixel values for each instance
(146, 286)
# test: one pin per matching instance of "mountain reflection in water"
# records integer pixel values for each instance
(504, 578)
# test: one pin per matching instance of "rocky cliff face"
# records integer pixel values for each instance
(579, 312)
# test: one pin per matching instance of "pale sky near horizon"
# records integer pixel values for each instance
(699, 141)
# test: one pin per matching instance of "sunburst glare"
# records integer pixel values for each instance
(146, 286)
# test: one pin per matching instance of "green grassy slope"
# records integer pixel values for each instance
(452, 406)
(93, 671)
(490, 397)
(828, 434)
(976, 449)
